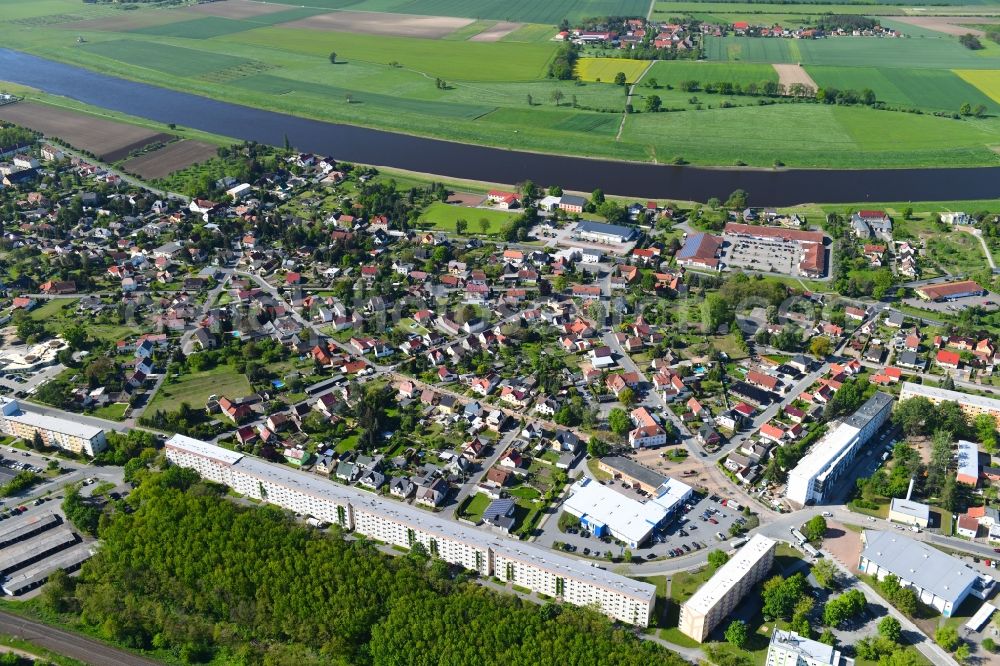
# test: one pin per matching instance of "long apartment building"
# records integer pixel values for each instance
(817, 474)
(400, 524)
(971, 405)
(717, 598)
(57, 432)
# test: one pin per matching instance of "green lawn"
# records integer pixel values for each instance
(55, 308)
(443, 217)
(195, 389)
(113, 412)
(474, 509)
(686, 583)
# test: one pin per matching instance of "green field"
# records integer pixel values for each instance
(674, 71)
(498, 93)
(931, 53)
(934, 89)
(195, 389)
(164, 58)
(463, 61)
(526, 11)
(443, 216)
(276, 85)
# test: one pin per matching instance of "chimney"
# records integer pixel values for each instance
(909, 491)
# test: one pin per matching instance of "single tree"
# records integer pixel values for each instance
(620, 79)
(947, 637)
(333, 57)
(531, 100)
(737, 634)
(618, 421)
(460, 226)
(557, 96)
(889, 628)
(653, 103)
(484, 225)
(717, 558)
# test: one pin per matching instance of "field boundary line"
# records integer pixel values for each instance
(628, 98)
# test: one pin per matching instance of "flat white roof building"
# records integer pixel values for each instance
(716, 599)
(909, 512)
(818, 472)
(940, 580)
(400, 524)
(600, 508)
(787, 648)
(968, 463)
(56, 431)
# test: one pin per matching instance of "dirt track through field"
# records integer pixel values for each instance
(377, 23)
(791, 74)
(496, 33)
(96, 135)
(172, 157)
(949, 25)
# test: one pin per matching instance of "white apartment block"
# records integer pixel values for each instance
(717, 598)
(399, 524)
(58, 432)
(971, 405)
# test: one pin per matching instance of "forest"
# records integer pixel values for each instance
(193, 577)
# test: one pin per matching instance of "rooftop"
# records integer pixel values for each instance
(968, 459)
(730, 573)
(910, 508)
(12, 411)
(602, 228)
(809, 651)
(926, 567)
(623, 515)
(634, 470)
(934, 393)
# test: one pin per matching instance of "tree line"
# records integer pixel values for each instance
(185, 573)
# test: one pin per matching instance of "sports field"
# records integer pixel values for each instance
(443, 216)
(606, 69)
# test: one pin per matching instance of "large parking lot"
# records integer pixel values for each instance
(761, 255)
(695, 527)
(989, 302)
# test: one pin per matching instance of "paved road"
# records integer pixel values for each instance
(70, 644)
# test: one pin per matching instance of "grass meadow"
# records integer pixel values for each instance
(195, 389)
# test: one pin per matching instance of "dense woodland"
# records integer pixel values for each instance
(185, 571)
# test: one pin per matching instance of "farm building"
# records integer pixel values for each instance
(950, 291)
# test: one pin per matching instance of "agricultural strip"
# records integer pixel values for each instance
(458, 61)
(206, 27)
(373, 23)
(789, 75)
(988, 81)
(675, 71)
(95, 135)
(234, 9)
(605, 69)
(496, 33)
(165, 58)
(523, 11)
(170, 158)
(937, 90)
(277, 85)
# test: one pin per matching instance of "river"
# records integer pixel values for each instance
(434, 156)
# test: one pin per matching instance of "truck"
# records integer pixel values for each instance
(799, 536)
(736, 543)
